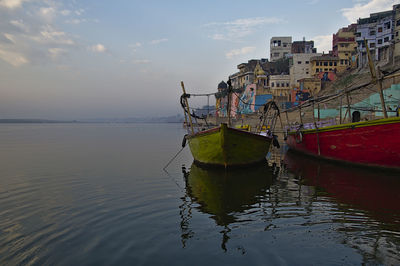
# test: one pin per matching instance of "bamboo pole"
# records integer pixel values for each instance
(229, 103)
(348, 106)
(385, 115)
(376, 78)
(340, 111)
(187, 107)
(301, 119)
(316, 128)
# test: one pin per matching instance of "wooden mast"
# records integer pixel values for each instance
(187, 107)
(229, 102)
(377, 79)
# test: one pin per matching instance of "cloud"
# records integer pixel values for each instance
(56, 52)
(323, 43)
(362, 10)
(235, 52)
(65, 12)
(98, 48)
(240, 28)
(142, 61)
(158, 41)
(29, 34)
(13, 58)
(20, 25)
(47, 13)
(51, 36)
(12, 4)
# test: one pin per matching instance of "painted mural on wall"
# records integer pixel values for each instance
(299, 95)
(327, 76)
(247, 101)
(221, 105)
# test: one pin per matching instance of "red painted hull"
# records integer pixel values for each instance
(372, 143)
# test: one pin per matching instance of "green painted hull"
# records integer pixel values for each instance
(224, 146)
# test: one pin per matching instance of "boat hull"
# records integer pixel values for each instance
(224, 146)
(372, 143)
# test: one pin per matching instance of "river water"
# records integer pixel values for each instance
(96, 194)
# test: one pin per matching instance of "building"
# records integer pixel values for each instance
(303, 47)
(377, 31)
(300, 67)
(280, 85)
(344, 46)
(313, 85)
(396, 33)
(324, 63)
(280, 47)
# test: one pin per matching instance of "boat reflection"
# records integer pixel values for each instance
(372, 190)
(224, 194)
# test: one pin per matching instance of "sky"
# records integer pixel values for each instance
(79, 59)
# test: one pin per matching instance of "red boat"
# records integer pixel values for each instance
(372, 143)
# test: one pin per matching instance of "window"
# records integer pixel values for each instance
(387, 25)
(335, 63)
(277, 84)
(372, 32)
(307, 72)
(397, 34)
(330, 63)
(341, 61)
(299, 62)
(330, 69)
(287, 84)
(379, 41)
(317, 63)
(345, 61)
(325, 69)
(372, 45)
(398, 22)
(346, 54)
(276, 54)
(317, 70)
(358, 34)
(325, 63)
(282, 84)
(307, 62)
(272, 84)
(386, 39)
(380, 29)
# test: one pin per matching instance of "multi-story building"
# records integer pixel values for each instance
(324, 63)
(396, 33)
(303, 47)
(377, 31)
(279, 85)
(280, 47)
(313, 85)
(344, 46)
(300, 67)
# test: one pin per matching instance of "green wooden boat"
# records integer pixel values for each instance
(226, 146)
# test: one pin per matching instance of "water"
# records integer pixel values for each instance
(96, 194)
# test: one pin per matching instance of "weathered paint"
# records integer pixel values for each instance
(228, 147)
(375, 143)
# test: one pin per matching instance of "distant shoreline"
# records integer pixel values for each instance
(42, 121)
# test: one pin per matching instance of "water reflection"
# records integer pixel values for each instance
(372, 190)
(367, 204)
(297, 203)
(224, 194)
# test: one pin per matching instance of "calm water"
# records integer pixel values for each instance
(96, 194)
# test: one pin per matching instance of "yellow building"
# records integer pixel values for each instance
(344, 46)
(313, 85)
(324, 63)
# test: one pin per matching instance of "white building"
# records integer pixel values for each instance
(300, 67)
(377, 30)
(280, 47)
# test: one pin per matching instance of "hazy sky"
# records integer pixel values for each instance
(76, 59)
